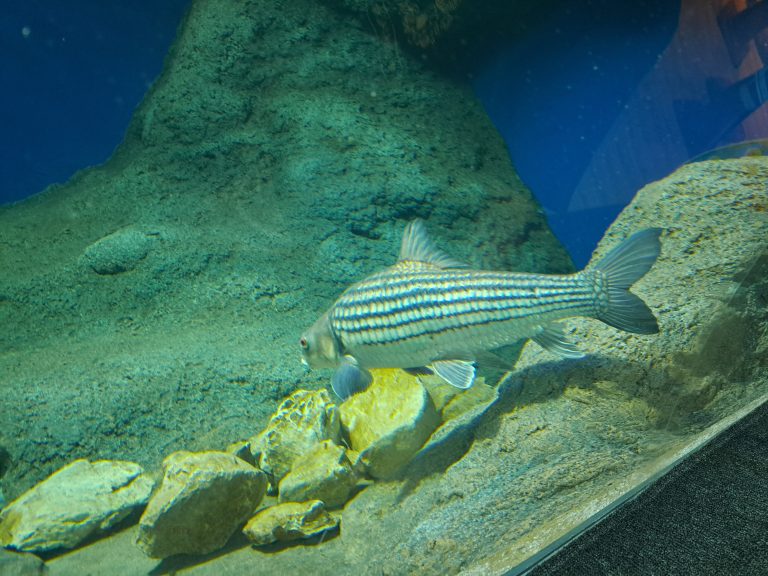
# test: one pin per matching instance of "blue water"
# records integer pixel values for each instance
(554, 94)
(72, 74)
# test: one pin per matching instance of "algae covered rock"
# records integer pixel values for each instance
(118, 252)
(78, 501)
(289, 521)
(301, 422)
(203, 498)
(324, 473)
(389, 422)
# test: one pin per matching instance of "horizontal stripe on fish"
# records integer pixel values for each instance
(381, 301)
(401, 333)
(454, 302)
(391, 283)
(405, 312)
(352, 305)
(434, 319)
(384, 299)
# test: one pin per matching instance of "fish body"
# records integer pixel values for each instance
(430, 311)
(410, 315)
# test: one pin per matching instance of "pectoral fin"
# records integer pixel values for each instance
(552, 339)
(350, 378)
(458, 373)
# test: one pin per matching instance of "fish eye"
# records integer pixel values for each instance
(303, 343)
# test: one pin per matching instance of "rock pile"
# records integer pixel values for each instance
(301, 422)
(313, 455)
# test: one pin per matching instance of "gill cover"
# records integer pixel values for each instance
(319, 346)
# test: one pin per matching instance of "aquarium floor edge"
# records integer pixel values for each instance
(705, 512)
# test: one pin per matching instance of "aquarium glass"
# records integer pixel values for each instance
(369, 286)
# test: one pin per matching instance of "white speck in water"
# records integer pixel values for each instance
(26, 31)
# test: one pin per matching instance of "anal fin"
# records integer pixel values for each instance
(552, 339)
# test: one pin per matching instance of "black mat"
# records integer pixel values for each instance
(707, 516)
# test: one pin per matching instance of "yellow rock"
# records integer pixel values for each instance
(289, 521)
(301, 422)
(479, 394)
(389, 422)
(452, 402)
(440, 391)
(81, 500)
(325, 473)
(203, 498)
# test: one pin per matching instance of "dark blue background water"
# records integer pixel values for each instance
(73, 72)
(554, 93)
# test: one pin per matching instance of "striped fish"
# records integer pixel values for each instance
(429, 312)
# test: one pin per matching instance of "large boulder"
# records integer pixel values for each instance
(81, 500)
(705, 290)
(389, 421)
(202, 500)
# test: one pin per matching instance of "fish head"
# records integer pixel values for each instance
(319, 346)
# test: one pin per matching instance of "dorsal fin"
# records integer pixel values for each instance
(418, 247)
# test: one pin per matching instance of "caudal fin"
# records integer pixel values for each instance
(622, 267)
